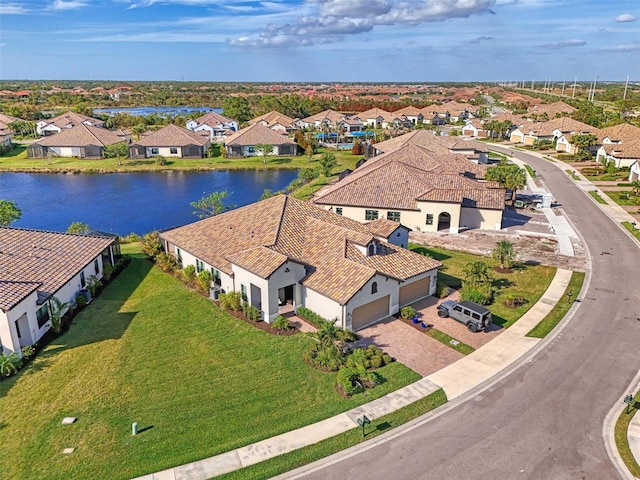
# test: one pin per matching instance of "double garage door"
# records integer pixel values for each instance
(369, 313)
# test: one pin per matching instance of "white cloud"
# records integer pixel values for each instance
(564, 44)
(12, 9)
(67, 5)
(625, 47)
(334, 19)
(626, 17)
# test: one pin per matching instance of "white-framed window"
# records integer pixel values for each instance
(173, 150)
(429, 219)
(155, 151)
(199, 266)
(42, 315)
(243, 292)
(216, 277)
(395, 216)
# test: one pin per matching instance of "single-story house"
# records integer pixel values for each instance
(285, 251)
(217, 125)
(276, 121)
(477, 152)
(66, 120)
(423, 190)
(474, 127)
(5, 121)
(243, 143)
(634, 171)
(36, 266)
(329, 118)
(373, 117)
(171, 141)
(413, 114)
(81, 141)
(623, 155)
(552, 130)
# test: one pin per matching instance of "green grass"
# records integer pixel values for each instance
(303, 456)
(17, 161)
(625, 199)
(546, 157)
(620, 435)
(561, 308)
(531, 171)
(446, 340)
(149, 350)
(528, 281)
(572, 174)
(634, 231)
(597, 197)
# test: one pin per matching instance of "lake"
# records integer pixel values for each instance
(129, 202)
(162, 111)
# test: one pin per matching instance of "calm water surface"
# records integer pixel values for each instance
(129, 202)
(144, 111)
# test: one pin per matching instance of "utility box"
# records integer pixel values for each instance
(547, 199)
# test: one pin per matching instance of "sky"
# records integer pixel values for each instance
(320, 40)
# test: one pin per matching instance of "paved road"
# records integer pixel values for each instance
(545, 420)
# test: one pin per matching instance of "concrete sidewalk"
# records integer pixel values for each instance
(455, 380)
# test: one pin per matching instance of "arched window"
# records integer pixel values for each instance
(372, 249)
(374, 287)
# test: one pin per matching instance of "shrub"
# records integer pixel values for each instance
(107, 271)
(160, 160)
(514, 301)
(166, 262)
(349, 380)
(281, 323)
(204, 280)
(80, 300)
(131, 238)
(310, 316)
(253, 313)
(93, 283)
(27, 350)
(9, 365)
(480, 295)
(408, 312)
(231, 301)
(328, 358)
(358, 358)
(151, 245)
(443, 290)
(189, 274)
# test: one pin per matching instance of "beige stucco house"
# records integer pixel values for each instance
(285, 251)
(276, 121)
(171, 141)
(244, 142)
(421, 189)
(37, 265)
(619, 144)
(81, 141)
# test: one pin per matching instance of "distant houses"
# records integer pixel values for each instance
(215, 124)
(65, 121)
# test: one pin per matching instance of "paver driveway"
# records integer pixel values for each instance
(409, 346)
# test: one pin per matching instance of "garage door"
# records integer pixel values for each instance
(369, 313)
(413, 291)
(516, 138)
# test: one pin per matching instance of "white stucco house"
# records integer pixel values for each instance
(243, 143)
(282, 250)
(37, 265)
(215, 124)
(66, 120)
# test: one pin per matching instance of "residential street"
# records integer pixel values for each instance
(545, 420)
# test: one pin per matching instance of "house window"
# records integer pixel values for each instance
(243, 291)
(155, 151)
(199, 266)
(42, 314)
(179, 254)
(252, 149)
(173, 150)
(371, 214)
(339, 210)
(395, 216)
(372, 249)
(429, 219)
(83, 282)
(374, 287)
(96, 266)
(215, 274)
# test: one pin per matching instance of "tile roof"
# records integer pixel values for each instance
(257, 133)
(399, 179)
(72, 118)
(563, 124)
(430, 141)
(172, 136)
(5, 120)
(213, 119)
(82, 135)
(372, 113)
(623, 150)
(329, 115)
(383, 227)
(262, 236)
(621, 133)
(272, 118)
(42, 260)
(409, 111)
(551, 109)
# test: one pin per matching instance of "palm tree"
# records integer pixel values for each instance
(504, 252)
(8, 365)
(636, 187)
(508, 176)
(57, 308)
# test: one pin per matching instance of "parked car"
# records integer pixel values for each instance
(474, 316)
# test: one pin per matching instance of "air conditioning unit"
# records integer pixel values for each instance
(214, 293)
(86, 294)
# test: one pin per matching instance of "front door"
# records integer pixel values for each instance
(22, 329)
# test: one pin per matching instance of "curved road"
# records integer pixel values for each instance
(545, 420)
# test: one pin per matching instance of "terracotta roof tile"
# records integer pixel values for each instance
(172, 136)
(49, 259)
(256, 134)
(272, 118)
(82, 135)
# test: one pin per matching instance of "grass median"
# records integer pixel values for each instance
(561, 308)
(622, 442)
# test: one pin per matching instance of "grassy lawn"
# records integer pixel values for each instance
(198, 382)
(598, 198)
(528, 281)
(340, 442)
(634, 231)
(558, 312)
(625, 199)
(446, 340)
(17, 160)
(530, 171)
(620, 435)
